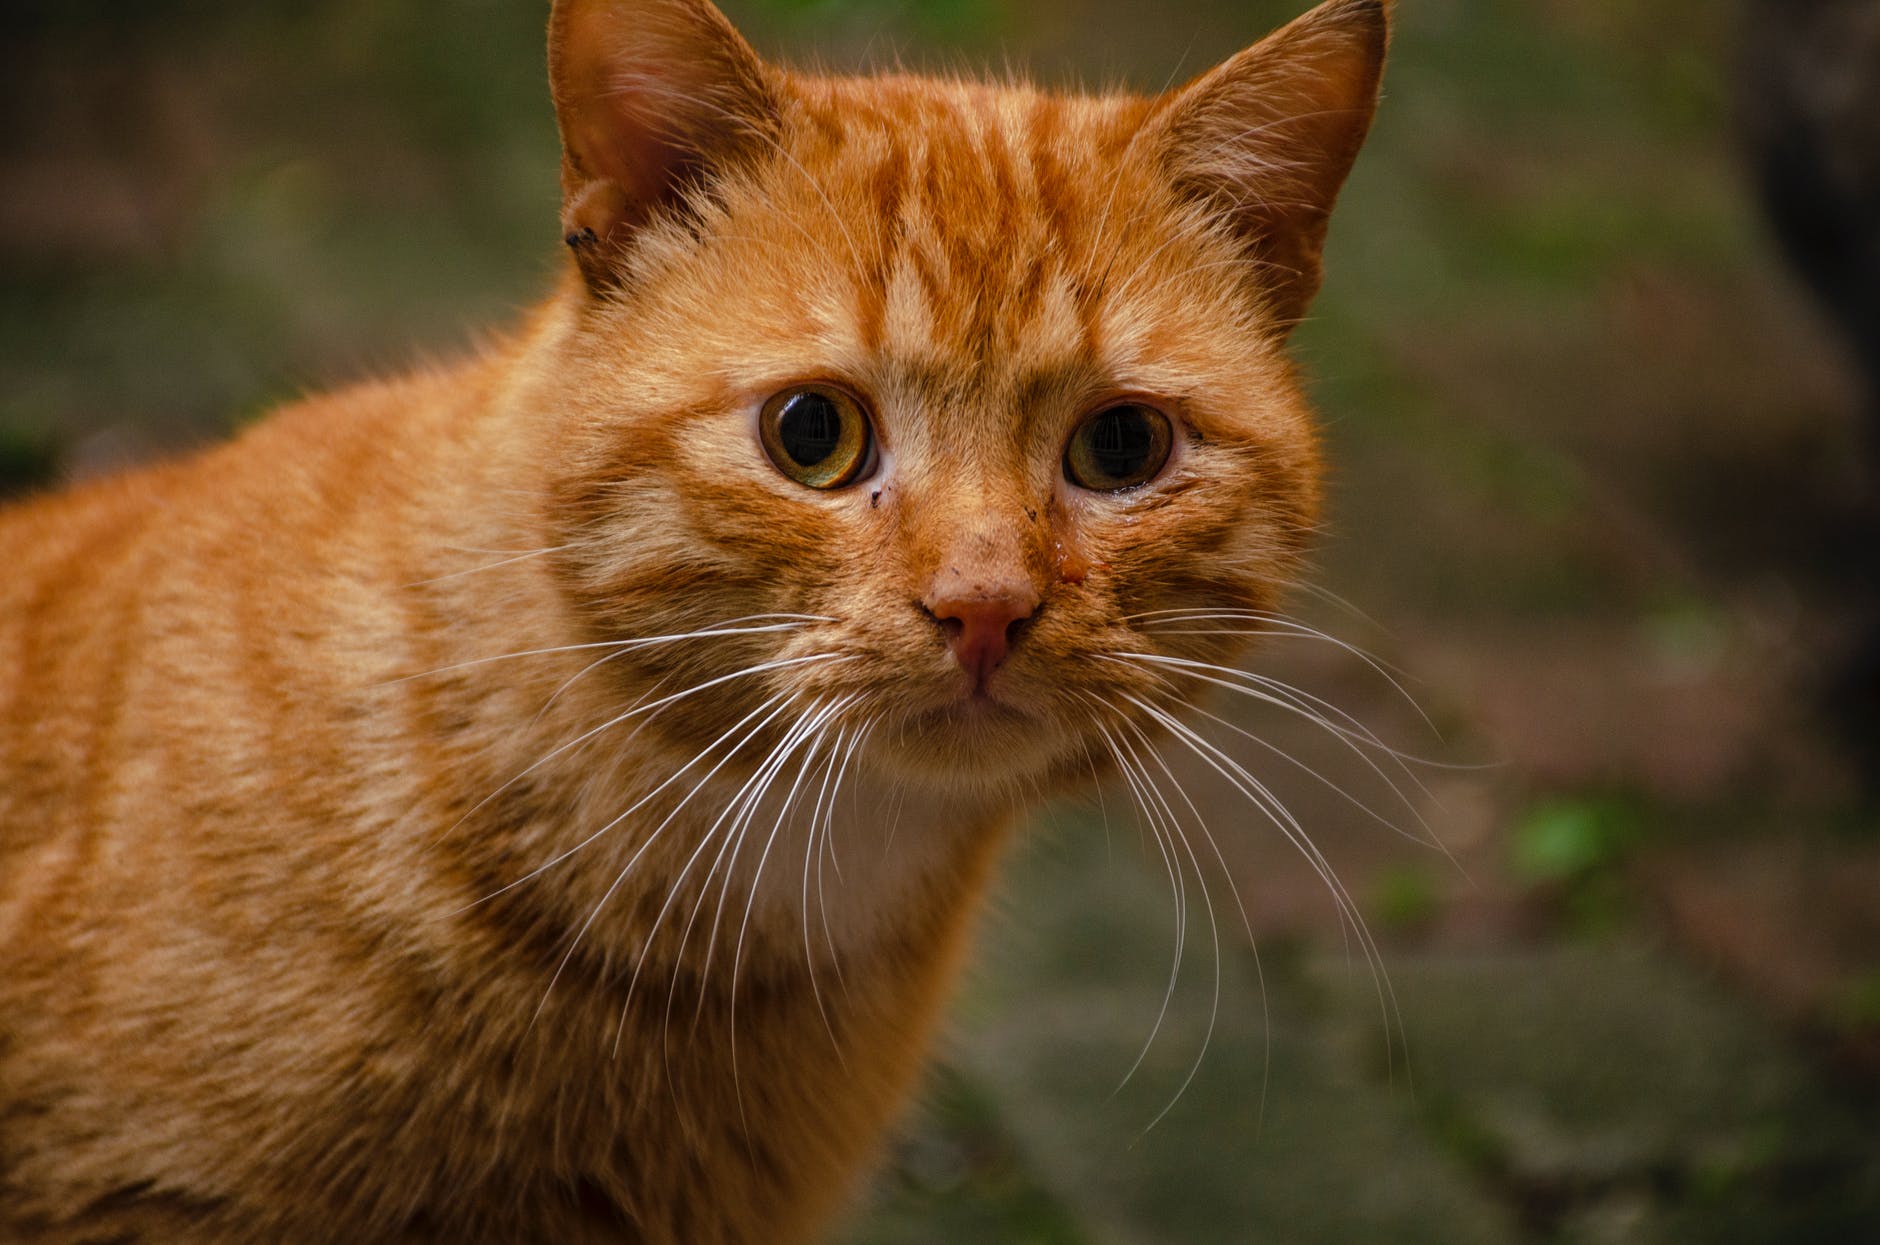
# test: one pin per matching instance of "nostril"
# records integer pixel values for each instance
(980, 629)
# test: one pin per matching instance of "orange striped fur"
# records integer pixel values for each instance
(355, 885)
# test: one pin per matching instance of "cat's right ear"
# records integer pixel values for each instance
(1267, 138)
(653, 98)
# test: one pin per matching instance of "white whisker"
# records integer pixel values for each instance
(678, 882)
(1177, 891)
(740, 810)
(1207, 899)
(820, 731)
(1282, 819)
(809, 852)
(652, 708)
(635, 858)
(644, 800)
(1272, 691)
(828, 833)
(1431, 841)
(792, 622)
(1279, 625)
(510, 560)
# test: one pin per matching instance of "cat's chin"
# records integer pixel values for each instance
(982, 739)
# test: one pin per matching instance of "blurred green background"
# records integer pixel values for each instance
(1597, 467)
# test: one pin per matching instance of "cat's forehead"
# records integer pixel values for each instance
(960, 222)
(948, 138)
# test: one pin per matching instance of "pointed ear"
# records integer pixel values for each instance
(1268, 137)
(653, 97)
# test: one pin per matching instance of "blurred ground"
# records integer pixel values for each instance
(1599, 480)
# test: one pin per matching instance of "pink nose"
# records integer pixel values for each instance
(980, 628)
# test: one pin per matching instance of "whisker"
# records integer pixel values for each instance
(672, 892)
(1293, 627)
(1201, 822)
(809, 852)
(1177, 891)
(1164, 818)
(792, 622)
(757, 880)
(643, 801)
(807, 732)
(1246, 923)
(745, 804)
(1432, 840)
(1282, 819)
(1313, 708)
(1096, 787)
(828, 833)
(1207, 900)
(631, 862)
(653, 708)
(1293, 704)
(511, 560)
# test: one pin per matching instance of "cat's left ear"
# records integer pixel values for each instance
(1268, 137)
(654, 98)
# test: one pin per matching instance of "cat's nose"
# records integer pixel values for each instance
(981, 626)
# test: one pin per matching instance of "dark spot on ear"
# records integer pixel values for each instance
(1031, 514)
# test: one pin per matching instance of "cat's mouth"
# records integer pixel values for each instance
(979, 707)
(975, 739)
(981, 727)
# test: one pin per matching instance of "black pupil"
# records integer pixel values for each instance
(1119, 442)
(810, 428)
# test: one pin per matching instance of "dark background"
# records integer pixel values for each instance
(1600, 495)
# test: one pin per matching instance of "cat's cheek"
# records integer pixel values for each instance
(1068, 544)
(1087, 526)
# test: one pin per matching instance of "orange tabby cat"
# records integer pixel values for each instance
(421, 819)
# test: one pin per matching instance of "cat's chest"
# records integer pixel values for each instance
(584, 1071)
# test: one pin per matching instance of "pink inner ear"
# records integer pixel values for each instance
(606, 134)
(646, 91)
(611, 100)
(616, 144)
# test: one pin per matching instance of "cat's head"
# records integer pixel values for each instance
(962, 389)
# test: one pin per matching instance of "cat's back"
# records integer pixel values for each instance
(162, 608)
(73, 585)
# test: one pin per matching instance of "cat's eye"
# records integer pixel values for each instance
(817, 435)
(1118, 447)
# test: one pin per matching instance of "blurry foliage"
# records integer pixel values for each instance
(1686, 636)
(1570, 840)
(1568, 850)
(963, 1177)
(1854, 1008)
(1406, 898)
(946, 19)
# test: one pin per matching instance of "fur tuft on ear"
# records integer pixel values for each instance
(1269, 136)
(652, 96)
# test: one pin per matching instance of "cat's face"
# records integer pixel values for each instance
(965, 388)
